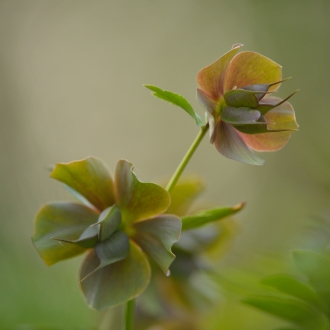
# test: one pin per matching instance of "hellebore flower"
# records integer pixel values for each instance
(118, 224)
(242, 117)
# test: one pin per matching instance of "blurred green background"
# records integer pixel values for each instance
(71, 75)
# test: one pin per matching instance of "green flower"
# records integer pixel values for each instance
(118, 224)
(242, 117)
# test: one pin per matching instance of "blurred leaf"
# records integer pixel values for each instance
(205, 217)
(63, 220)
(184, 194)
(156, 237)
(292, 286)
(176, 99)
(138, 200)
(292, 310)
(109, 221)
(89, 177)
(87, 239)
(116, 283)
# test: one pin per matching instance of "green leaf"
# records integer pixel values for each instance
(184, 194)
(295, 311)
(240, 116)
(116, 283)
(138, 200)
(239, 98)
(156, 237)
(292, 286)
(202, 218)
(177, 100)
(63, 220)
(109, 221)
(89, 177)
(87, 239)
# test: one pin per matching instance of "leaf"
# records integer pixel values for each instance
(109, 221)
(295, 311)
(240, 116)
(114, 249)
(63, 220)
(240, 98)
(89, 177)
(292, 286)
(137, 200)
(116, 283)
(156, 237)
(177, 100)
(202, 218)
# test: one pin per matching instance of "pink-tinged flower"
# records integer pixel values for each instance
(243, 117)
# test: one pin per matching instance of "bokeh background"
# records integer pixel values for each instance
(71, 75)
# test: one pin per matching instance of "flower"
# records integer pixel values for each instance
(242, 117)
(119, 223)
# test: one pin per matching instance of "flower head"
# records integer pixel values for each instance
(243, 117)
(119, 223)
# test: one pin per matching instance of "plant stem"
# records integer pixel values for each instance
(129, 315)
(176, 176)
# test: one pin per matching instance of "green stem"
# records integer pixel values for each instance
(176, 176)
(129, 315)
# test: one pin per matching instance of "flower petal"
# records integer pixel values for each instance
(156, 237)
(138, 200)
(240, 116)
(63, 220)
(211, 78)
(229, 143)
(208, 104)
(89, 177)
(248, 68)
(116, 283)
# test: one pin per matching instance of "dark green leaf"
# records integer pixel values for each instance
(205, 217)
(240, 116)
(65, 221)
(138, 200)
(295, 311)
(238, 98)
(116, 283)
(89, 177)
(156, 237)
(177, 100)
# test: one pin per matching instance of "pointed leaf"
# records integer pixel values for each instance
(116, 283)
(295, 311)
(156, 237)
(292, 286)
(231, 145)
(137, 200)
(240, 98)
(109, 221)
(89, 177)
(177, 100)
(240, 116)
(203, 218)
(87, 239)
(62, 220)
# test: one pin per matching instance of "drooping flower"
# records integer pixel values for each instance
(118, 224)
(242, 116)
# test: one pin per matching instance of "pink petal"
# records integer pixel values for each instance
(210, 79)
(248, 68)
(230, 144)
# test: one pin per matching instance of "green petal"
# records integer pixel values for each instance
(238, 98)
(292, 286)
(156, 237)
(249, 68)
(177, 100)
(65, 221)
(116, 283)
(89, 177)
(109, 221)
(211, 78)
(240, 116)
(202, 218)
(138, 200)
(184, 194)
(295, 311)
(231, 145)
